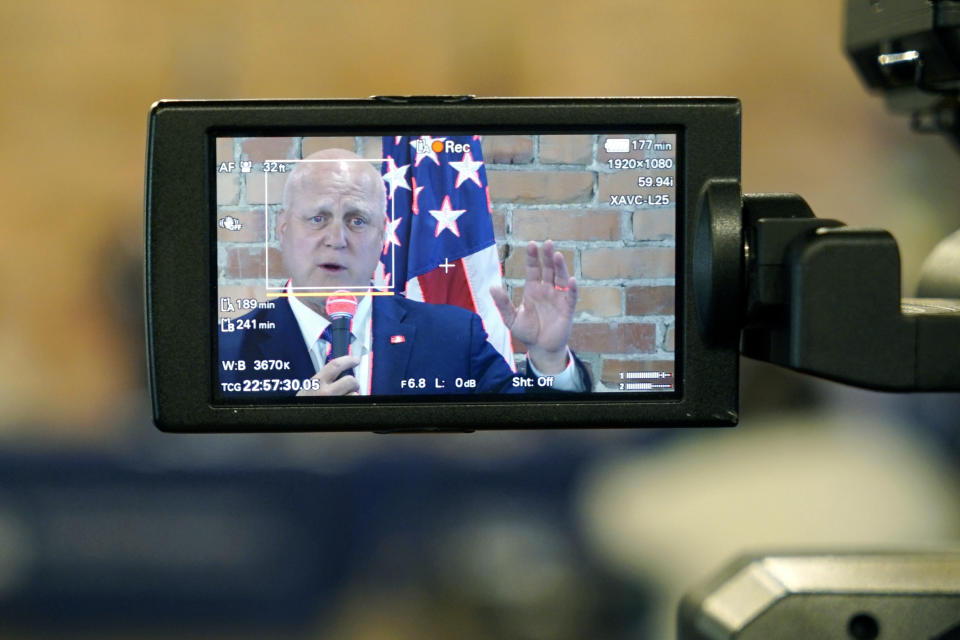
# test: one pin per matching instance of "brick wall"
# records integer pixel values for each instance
(541, 186)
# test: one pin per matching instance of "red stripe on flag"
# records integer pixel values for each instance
(370, 374)
(447, 288)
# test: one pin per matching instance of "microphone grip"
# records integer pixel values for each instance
(340, 333)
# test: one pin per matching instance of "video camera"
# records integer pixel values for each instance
(677, 271)
(241, 197)
(673, 271)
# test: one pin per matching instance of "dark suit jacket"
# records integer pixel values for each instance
(411, 340)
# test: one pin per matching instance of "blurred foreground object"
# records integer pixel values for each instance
(821, 480)
(893, 596)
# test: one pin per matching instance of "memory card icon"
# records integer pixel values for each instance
(616, 145)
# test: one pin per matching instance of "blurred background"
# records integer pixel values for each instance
(109, 528)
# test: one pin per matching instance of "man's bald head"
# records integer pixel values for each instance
(332, 224)
(340, 168)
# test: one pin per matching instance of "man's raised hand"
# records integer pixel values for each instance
(545, 316)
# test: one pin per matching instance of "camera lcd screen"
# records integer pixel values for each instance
(435, 264)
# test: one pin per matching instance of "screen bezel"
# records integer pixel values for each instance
(181, 269)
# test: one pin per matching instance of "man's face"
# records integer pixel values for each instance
(331, 232)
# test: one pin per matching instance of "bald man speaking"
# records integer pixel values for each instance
(331, 235)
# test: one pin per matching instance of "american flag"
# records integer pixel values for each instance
(439, 245)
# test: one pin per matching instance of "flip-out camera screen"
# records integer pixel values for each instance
(437, 264)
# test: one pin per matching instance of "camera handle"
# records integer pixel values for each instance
(813, 295)
(856, 595)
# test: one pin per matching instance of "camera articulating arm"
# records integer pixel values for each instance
(813, 295)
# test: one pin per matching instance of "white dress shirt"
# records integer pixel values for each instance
(312, 325)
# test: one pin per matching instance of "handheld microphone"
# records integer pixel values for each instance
(340, 308)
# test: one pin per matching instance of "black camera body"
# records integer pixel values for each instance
(614, 184)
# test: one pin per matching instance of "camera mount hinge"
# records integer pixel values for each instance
(816, 296)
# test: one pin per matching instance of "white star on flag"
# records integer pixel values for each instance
(467, 170)
(427, 143)
(391, 233)
(447, 218)
(396, 176)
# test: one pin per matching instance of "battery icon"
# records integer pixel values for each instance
(616, 145)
